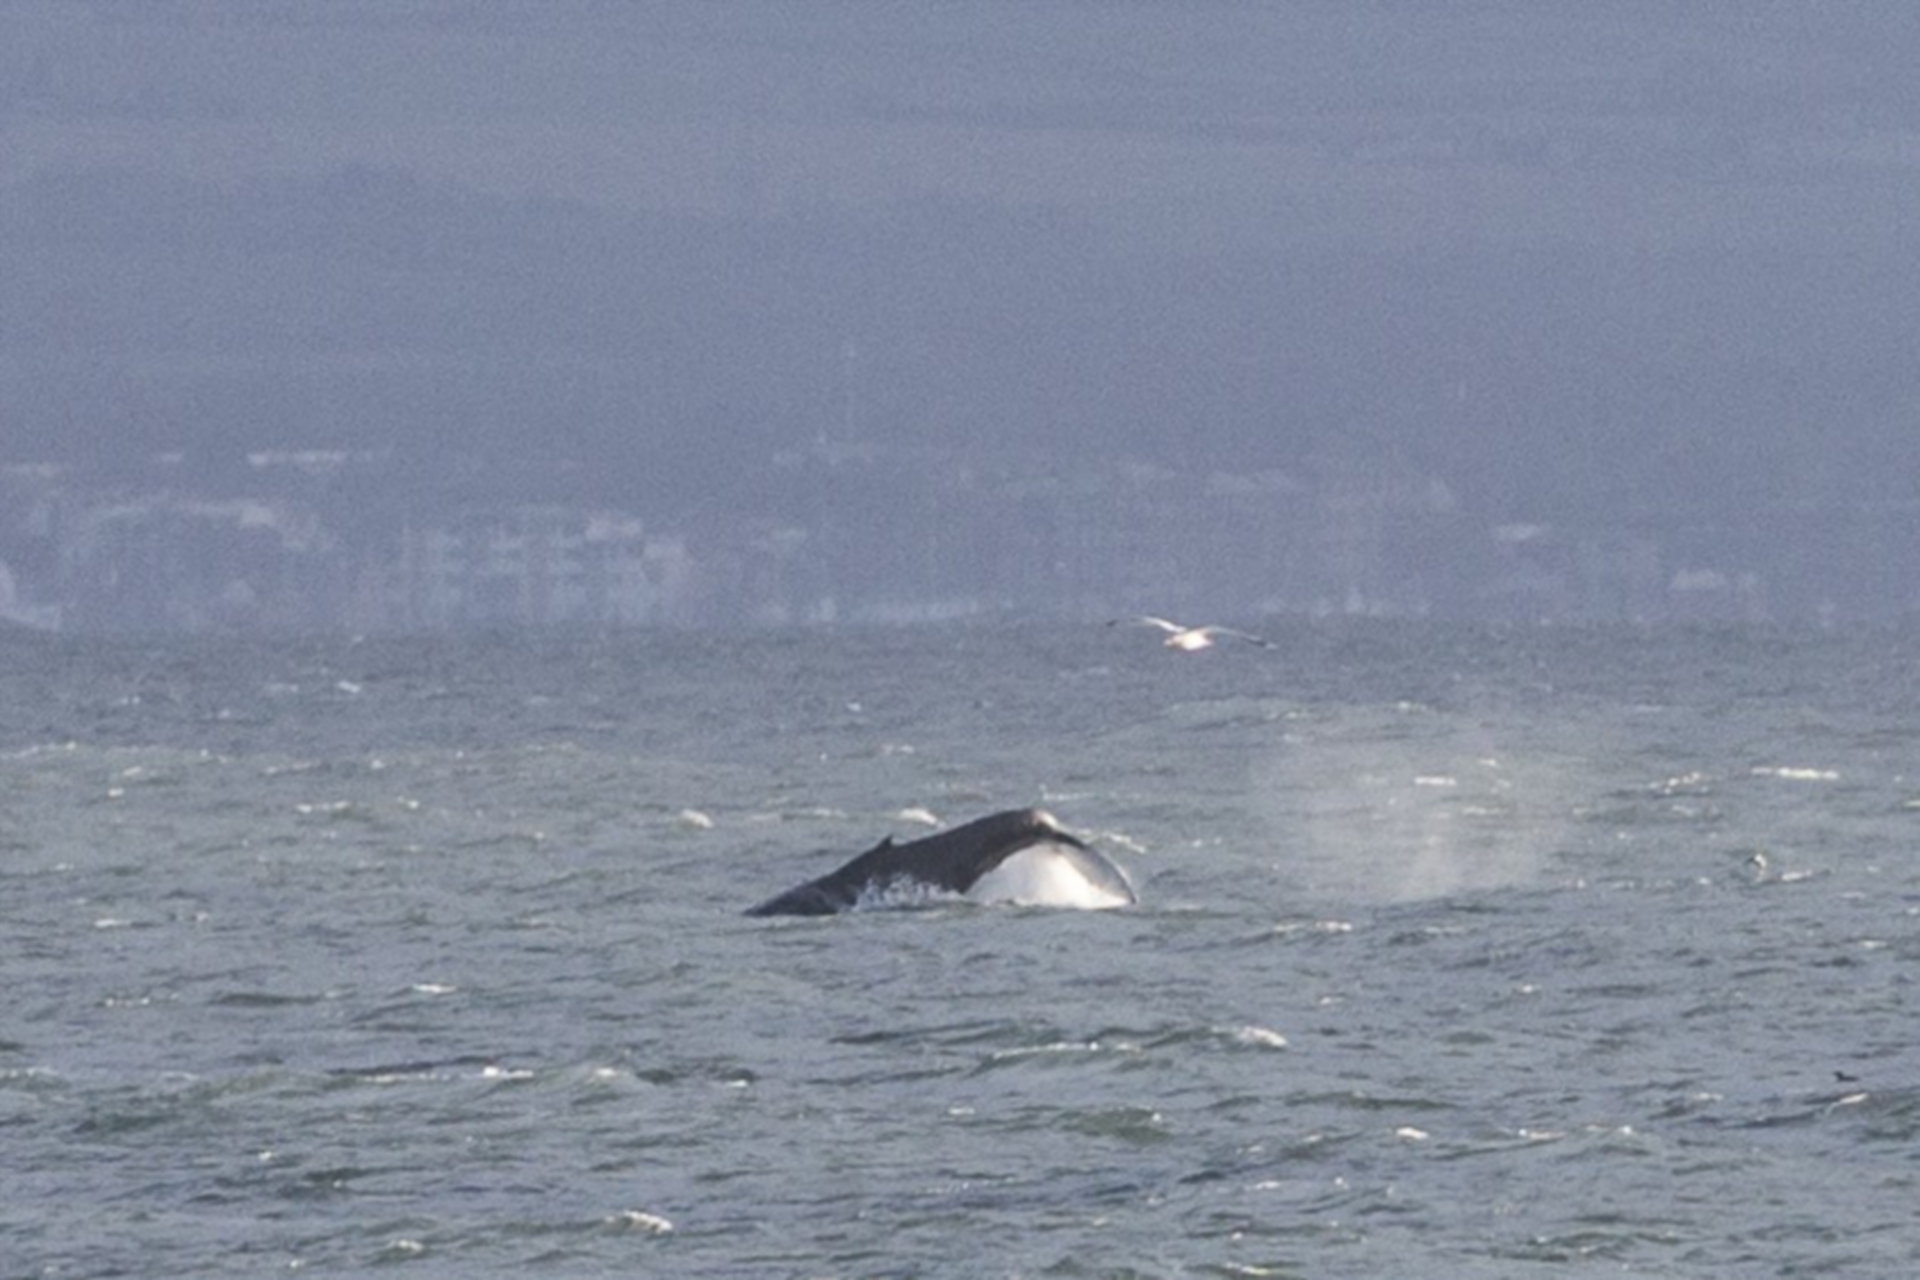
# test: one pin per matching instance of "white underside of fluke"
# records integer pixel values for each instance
(1042, 876)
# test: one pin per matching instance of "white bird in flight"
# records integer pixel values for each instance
(1192, 639)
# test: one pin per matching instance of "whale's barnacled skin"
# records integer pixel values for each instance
(1035, 861)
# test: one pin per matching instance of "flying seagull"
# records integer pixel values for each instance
(1192, 639)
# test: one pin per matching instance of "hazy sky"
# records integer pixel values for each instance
(1570, 258)
(1190, 126)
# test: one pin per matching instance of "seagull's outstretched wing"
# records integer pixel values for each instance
(1248, 636)
(1147, 620)
(1190, 639)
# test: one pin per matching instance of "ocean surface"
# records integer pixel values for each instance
(1460, 952)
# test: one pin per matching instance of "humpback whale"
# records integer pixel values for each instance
(1192, 639)
(1019, 856)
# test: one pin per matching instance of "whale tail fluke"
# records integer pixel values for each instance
(1018, 855)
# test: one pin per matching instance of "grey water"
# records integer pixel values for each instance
(1460, 952)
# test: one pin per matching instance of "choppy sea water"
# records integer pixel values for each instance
(1460, 953)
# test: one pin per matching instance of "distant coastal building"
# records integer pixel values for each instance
(330, 541)
(171, 563)
(281, 559)
(525, 566)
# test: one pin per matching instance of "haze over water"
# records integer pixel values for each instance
(1584, 308)
(1461, 951)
